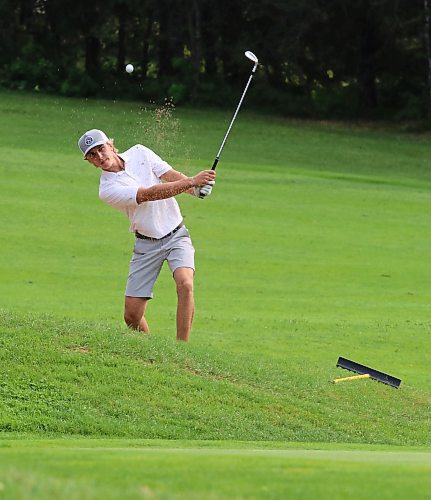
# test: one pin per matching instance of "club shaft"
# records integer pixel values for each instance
(231, 123)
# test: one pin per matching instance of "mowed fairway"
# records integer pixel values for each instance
(78, 469)
(314, 244)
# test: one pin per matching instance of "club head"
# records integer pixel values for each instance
(253, 58)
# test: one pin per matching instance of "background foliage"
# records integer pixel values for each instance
(337, 58)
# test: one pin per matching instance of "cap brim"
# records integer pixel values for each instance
(98, 143)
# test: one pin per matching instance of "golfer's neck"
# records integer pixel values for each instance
(118, 164)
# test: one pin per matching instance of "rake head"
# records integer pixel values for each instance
(352, 366)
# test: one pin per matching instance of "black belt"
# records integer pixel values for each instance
(143, 237)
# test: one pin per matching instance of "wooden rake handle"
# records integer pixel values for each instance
(354, 377)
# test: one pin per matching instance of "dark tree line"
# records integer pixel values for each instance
(318, 57)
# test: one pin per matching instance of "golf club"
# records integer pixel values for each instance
(253, 58)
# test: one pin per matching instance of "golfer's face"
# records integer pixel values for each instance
(102, 157)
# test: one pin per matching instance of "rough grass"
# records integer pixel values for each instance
(68, 377)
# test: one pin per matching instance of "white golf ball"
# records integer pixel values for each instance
(129, 68)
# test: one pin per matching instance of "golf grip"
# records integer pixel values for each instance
(215, 163)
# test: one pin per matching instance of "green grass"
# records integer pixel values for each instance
(65, 377)
(314, 245)
(194, 470)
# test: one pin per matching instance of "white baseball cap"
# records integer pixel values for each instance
(91, 139)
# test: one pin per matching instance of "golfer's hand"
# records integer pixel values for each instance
(203, 178)
(205, 191)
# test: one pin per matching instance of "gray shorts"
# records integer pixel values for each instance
(149, 256)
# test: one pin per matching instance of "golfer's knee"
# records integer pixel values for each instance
(185, 286)
(131, 319)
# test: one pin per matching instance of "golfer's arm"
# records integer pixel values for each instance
(165, 190)
(173, 175)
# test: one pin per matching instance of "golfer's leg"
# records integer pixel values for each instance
(183, 277)
(134, 310)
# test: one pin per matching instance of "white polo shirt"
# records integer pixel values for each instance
(142, 168)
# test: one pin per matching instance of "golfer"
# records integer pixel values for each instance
(143, 186)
